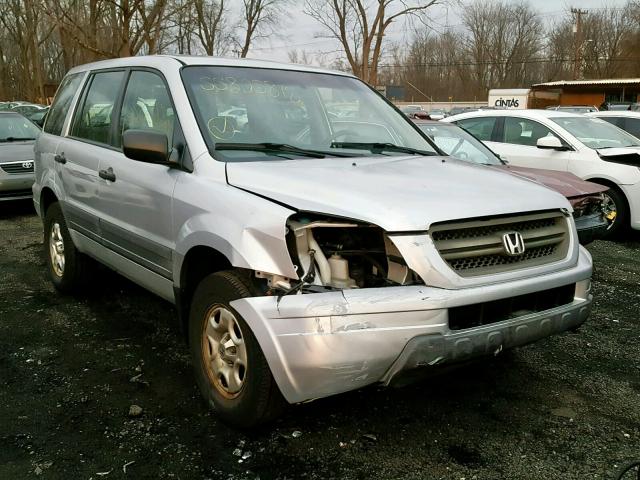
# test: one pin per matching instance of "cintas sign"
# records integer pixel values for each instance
(514, 98)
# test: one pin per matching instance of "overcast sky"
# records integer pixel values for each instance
(300, 31)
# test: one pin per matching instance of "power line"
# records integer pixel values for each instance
(497, 62)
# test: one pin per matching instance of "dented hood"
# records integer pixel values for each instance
(566, 183)
(396, 193)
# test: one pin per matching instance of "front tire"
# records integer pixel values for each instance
(616, 212)
(230, 368)
(68, 268)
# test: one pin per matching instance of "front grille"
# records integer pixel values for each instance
(475, 247)
(16, 168)
(486, 313)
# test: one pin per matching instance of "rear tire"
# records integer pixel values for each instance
(69, 269)
(616, 202)
(230, 368)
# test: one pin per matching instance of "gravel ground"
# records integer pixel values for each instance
(72, 367)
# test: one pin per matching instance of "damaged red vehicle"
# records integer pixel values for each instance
(590, 216)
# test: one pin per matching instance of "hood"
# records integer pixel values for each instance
(395, 193)
(16, 151)
(565, 183)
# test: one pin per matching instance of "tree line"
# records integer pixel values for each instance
(495, 43)
(499, 44)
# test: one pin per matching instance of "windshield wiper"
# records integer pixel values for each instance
(375, 147)
(16, 139)
(276, 147)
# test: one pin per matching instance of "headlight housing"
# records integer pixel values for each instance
(337, 253)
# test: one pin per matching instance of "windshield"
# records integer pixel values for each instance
(15, 127)
(331, 115)
(456, 142)
(596, 133)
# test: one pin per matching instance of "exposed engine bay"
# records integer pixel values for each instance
(331, 254)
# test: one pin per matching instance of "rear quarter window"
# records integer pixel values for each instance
(62, 102)
(481, 127)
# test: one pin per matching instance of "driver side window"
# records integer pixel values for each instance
(522, 131)
(146, 106)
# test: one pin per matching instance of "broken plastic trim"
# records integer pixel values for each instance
(333, 254)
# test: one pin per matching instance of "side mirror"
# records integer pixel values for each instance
(146, 146)
(550, 143)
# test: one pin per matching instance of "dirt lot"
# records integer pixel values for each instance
(565, 408)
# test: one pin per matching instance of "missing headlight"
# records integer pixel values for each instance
(331, 253)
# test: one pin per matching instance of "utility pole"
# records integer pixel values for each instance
(577, 30)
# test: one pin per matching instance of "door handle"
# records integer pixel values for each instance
(60, 158)
(107, 174)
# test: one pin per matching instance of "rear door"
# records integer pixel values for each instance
(135, 202)
(89, 142)
(47, 145)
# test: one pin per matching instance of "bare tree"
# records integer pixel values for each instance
(360, 27)
(503, 42)
(210, 25)
(259, 19)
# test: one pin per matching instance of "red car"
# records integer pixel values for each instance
(415, 112)
(585, 197)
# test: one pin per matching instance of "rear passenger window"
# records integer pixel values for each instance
(61, 104)
(481, 128)
(146, 106)
(522, 131)
(93, 121)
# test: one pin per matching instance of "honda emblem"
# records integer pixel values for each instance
(513, 244)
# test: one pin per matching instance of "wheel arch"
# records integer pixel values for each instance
(198, 262)
(47, 198)
(614, 186)
(608, 182)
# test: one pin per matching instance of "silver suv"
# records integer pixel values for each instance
(313, 240)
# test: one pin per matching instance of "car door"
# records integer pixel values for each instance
(135, 198)
(80, 153)
(49, 140)
(515, 140)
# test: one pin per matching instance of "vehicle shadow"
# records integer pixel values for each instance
(16, 208)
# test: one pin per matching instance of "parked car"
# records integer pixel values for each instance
(458, 110)
(616, 106)
(17, 136)
(437, 114)
(628, 121)
(39, 116)
(585, 197)
(239, 114)
(415, 111)
(29, 109)
(635, 107)
(588, 147)
(574, 108)
(306, 256)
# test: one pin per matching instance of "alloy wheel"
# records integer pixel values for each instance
(610, 210)
(224, 351)
(56, 249)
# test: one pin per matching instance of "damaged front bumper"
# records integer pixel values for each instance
(591, 227)
(326, 343)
